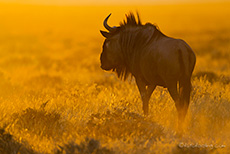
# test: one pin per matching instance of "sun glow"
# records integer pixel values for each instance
(106, 2)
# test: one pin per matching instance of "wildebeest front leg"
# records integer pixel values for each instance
(145, 92)
(150, 89)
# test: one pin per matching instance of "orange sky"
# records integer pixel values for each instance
(79, 2)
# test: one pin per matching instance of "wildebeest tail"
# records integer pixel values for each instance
(184, 61)
(185, 78)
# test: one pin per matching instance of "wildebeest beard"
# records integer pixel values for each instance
(122, 72)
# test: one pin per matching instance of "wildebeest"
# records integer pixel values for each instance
(154, 59)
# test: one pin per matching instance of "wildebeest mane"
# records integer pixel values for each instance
(131, 20)
(134, 39)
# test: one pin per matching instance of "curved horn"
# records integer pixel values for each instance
(106, 25)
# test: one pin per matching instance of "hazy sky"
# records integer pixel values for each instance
(76, 2)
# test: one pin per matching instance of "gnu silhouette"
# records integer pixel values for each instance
(154, 59)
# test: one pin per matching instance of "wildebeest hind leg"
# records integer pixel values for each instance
(184, 89)
(172, 88)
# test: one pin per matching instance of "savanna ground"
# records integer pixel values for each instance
(54, 98)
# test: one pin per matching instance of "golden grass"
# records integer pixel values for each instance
(54, 98)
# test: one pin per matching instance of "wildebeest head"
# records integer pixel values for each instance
(111, 54)
(116, 48)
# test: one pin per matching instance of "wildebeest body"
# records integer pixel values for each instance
(160, 63)
(153, 58)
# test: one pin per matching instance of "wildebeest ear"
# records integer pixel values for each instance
(104, 33)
